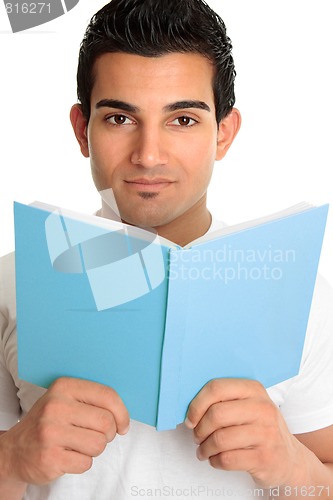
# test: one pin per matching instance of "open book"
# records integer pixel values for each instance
(119, 305)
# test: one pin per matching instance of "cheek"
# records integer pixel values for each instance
(100, 153)
(97, 147)
(100, 170)
(201, 163)
(98, 178)
(203, 147)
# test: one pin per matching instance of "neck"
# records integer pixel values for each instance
(181, 230)
(187, 227)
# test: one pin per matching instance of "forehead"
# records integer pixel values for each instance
(166, 78)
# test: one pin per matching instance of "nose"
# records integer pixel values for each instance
(149, 148)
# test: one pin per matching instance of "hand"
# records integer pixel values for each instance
(64, 430)
(238, 427)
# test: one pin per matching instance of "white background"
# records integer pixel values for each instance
(283, 154)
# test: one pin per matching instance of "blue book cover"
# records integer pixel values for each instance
(119, 305)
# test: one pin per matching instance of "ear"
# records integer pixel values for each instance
(228, 129)
(79, 124)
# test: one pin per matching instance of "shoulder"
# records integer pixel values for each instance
(7, 264)
(320, 325)
(7, 278)
(323, 293)
(7, 288)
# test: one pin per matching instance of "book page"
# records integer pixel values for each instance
(294, 209)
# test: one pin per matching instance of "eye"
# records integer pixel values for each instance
(184, 121)
(119, 119)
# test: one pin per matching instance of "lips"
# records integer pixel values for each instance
(149, 182)
(145, 184)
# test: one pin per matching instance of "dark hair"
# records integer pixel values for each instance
(153, 28)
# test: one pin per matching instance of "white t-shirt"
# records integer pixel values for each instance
(149, 464)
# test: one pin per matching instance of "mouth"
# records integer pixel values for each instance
(149, 184)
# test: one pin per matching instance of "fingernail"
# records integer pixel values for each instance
(199, 454)
(189, 424)
(125, 431)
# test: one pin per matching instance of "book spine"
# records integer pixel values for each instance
(174, 333)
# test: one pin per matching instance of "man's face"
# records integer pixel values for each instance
(152, 135)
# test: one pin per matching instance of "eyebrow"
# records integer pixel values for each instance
(187, 104)
(115, 103)
(130, 108)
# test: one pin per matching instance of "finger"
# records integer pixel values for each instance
(57, 409)
(83, 441)
(227, 414)
(228, 439)
(54, 436)
(75, 463)
(97, 395)
(219, 390)
(94, 418)
(54, 465)
(236, 460)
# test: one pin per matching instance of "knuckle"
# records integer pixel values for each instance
(218, 438)
(108, 392)
(105, 421)
(214, 385)
(50, 409)
(111, 435)
(193, 412)
(99, 445)
(255, 387)
(270, 412)
(60, 385)
(46, 432)
(86, 464)
(113, 401)
(258, 386)
(225, 461)
(198, 434)
(215, 413)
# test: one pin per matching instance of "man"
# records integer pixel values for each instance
(155, 85)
